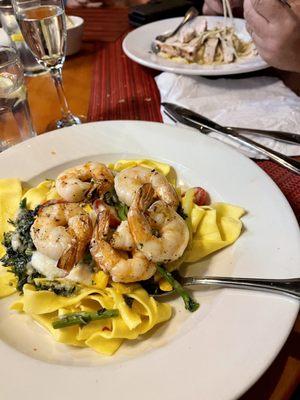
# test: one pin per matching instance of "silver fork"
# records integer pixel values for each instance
(190, 14)
(289, 287)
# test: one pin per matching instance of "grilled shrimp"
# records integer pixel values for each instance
(75, 183)
(128, 181)
(172, 232)
(122, 238)
(116, 262)
(62, 231)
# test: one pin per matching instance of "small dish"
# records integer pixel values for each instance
(74, 34)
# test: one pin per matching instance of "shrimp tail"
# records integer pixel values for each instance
(144, 197)
(98, 188)
(103, 186)
(74, 253)
(102, 226)
(100, 249)
(81, 247)
(68, 258)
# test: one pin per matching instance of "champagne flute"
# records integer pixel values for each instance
(43, 25)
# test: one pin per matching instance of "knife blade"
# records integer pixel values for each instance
(189, 117)
(286, 137)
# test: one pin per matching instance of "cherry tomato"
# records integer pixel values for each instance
(201, 196)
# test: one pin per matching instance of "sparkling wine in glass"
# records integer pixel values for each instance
(43, 25)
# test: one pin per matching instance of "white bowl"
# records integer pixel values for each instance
(74, 35)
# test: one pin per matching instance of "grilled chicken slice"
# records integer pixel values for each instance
(170, 49)
(229, 53)
(186, 34)
(210, 50)
(189, 50)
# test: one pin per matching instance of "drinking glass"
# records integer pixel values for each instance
(43, 26)
(11, 27)
(13, 100)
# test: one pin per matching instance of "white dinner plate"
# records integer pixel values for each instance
(215, 353)
(137, 46)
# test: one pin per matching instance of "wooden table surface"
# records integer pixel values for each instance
(281, 379)
(42, 96)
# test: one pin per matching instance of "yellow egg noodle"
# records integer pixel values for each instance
(211, 228)
(103, 336)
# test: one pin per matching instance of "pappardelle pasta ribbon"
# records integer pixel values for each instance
(104, 336)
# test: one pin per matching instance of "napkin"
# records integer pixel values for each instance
(256, 102)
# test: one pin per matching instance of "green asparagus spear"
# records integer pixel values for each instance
(83, 318)
(122, 211)
(190, 304)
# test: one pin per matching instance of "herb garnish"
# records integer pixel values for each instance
(61, 288)
(112, 199)
(19, 246)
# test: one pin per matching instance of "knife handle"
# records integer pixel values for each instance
(286, 137)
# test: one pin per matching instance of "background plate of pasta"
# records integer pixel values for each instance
(205, 46)
(96, 219)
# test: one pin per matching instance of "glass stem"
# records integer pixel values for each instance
(56, 74)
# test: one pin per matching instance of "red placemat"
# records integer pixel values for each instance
(122, 89)
(103, 24)
(287, 181)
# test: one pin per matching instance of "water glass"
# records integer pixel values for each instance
(11, 27)
(15, 119)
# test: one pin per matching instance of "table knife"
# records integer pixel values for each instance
(198, 121)
(281, 136)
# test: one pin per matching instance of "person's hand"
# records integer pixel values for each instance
(275, 29)
(215, 7)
